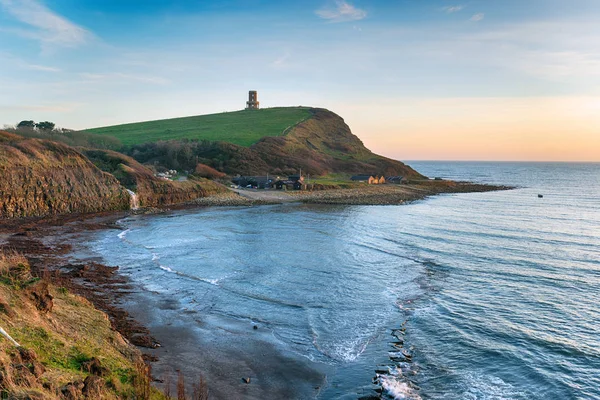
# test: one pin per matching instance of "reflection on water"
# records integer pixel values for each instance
(499, 291)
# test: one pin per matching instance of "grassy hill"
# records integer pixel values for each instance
(243, 128)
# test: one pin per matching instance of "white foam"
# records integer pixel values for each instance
(211, 281)
(123, 234)
(490, 388)
(397, 389)
(164, 267)
(155, 257)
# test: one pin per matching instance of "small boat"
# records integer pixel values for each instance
(540, 196)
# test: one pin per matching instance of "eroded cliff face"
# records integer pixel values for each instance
(40, 178)
(150, 190)
(325, 144)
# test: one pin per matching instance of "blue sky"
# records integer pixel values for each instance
(397, 71)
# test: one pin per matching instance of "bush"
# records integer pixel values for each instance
(14, 268)
(204, 171)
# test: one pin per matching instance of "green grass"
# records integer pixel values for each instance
(339, 180)
(244, 127)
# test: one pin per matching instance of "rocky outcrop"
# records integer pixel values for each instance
(40, 178)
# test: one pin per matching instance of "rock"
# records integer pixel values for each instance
(246, 380)
(92, 387)
(27, 355)
(73, 390)
(22, 376)
(37, 369)
(6, 309)
(255, 327)
(93, 367)
(41, 297)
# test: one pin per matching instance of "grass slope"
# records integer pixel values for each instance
(243, 128)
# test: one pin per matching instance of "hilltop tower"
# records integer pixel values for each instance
(252, 103)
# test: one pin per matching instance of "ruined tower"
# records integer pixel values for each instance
(252, 103)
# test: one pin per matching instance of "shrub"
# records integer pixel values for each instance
(204, 171)
(14, 268)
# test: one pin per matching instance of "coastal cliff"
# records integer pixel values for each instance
(150, 190)
(41, 178)
(323, 144)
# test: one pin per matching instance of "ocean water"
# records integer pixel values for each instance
(469, 296)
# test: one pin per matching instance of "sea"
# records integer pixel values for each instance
(490, 295)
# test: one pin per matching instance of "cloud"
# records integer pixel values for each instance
(478, 17)
(45, 25)
(124, 78)
(43, 68)
(342, 12)
(453, 9)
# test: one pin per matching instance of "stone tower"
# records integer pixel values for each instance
(252, 103)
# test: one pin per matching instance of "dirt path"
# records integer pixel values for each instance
(276, 196)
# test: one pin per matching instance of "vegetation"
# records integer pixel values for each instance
(14, 269)
(29, 129)
(68, 349)
(239, 127)
(151, 191)
(60, 340)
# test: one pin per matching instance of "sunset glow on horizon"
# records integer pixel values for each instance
(435, 80)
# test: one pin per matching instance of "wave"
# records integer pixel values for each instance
(123, 234)
(196, 278)
(395, 387)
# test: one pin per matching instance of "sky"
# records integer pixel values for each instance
(414, 79)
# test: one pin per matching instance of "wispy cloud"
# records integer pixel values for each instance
(43, 68)
(453, 9)
(342, 11)
(121, 77)
(478, 17)
(45, 25)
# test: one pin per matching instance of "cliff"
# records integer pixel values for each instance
(150, 190)
(40, 177)
(324, 144)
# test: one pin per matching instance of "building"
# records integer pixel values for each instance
(295, 178)
(395, 179)
(370, 179)
(260, 182)
(252, 103)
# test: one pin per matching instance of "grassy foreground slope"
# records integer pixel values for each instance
(243, 128)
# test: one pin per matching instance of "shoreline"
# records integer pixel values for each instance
(49, 242)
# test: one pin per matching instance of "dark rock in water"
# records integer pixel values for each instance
(255, 327)
(540, 196)
(370, 398)
(246, 380)
(382, 370)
